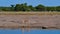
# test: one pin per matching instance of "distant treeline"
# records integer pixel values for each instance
(25, 7)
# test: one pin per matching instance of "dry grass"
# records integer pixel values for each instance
(29, 13)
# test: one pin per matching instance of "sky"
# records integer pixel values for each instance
(30, 2)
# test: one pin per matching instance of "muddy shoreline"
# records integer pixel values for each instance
(30, 21)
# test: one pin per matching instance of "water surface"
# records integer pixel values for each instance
(33, 31)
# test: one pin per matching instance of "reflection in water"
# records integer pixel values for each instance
(32, 31)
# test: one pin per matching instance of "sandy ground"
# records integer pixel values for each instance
(48, 21)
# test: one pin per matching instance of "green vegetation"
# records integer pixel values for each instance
(24, 7)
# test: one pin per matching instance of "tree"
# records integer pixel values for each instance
(40, 7)
(25, 7)
(21, 7)
(51, 9)
(31, 8)
(58, 8)
(12, 7)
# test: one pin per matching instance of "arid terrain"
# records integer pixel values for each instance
(32, 21)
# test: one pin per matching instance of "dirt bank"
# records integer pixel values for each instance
(48, 21)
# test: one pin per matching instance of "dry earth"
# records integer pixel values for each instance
(35, 21)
